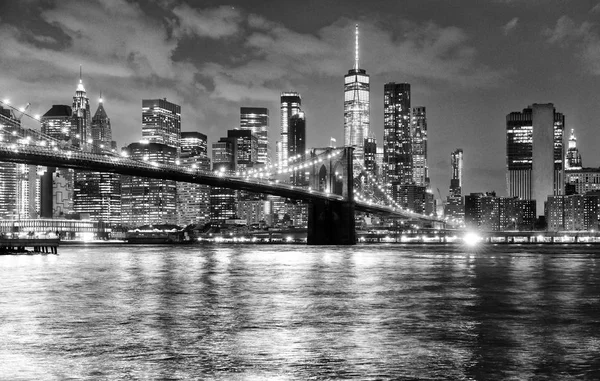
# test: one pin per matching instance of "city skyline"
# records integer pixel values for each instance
(468, 77)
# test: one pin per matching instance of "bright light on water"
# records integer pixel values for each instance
(472, 239)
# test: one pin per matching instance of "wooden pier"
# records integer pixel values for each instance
(29, 245)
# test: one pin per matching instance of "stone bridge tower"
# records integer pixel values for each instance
(331, 222)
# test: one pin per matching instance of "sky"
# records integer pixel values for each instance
(470, 62)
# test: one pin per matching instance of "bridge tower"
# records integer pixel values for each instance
(331, 222)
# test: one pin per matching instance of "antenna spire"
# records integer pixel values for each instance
(79, 72)
(356, 48)
(100, 96)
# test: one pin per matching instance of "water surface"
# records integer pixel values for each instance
(289, 312)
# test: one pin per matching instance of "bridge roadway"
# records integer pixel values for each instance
(52, 156)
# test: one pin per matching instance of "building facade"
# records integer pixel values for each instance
(148, 201)
(419, 146)
(256, 119)
(573, 157)
(290, 106)
(297, 148)
(193, 200)
(397, 141)
(572, 213)
(161, 122)
(81, 134)
(534, 151)
(356, 107)
(455, 208)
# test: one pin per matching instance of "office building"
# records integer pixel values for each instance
(101, 130)
(370, 149)
(8, 171)
(58, 122)
(97, 195)
(534, 150)
(356, 107)
(454, 208)
(223, 204)
(419, 146)
(193, 200)
(290, 106)
(81, 133)
(148, 201)
(573, 157)
(256, 119)
(397, 139)
(297, 148)
(161, 122)
(584, 180)
(572, 213)
(486, 211)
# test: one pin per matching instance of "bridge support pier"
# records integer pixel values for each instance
(331, 223)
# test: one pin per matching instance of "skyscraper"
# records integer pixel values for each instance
(149, 201)
(161, 122)
(397, 142)
(256, 119)
(573, 158)
(290, 106)
(81, 127)
(356, 106)
(534, 153)
(101, 129)
(8, 171)
(193, 201)
(297, 146)
(419, 146)
(98, 194)
(456, 165)
(455, 208)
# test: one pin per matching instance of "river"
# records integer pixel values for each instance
(293, 312)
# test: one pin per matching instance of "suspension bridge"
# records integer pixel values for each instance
(333, 194)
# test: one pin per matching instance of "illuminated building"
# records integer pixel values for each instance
(58, 183)
(414, 197)
(397, 142)
(573, 158)
(193, 200)
(534, 153)
(290, 106)
(419, 146)
(572, 213)
(454, 207)
(101, 130)
(8, 171)
(223, 205)
(57, 122)
(81, 127)
(485, 211)
(256, 119)
(161, 122)
(356, 107)
(148, 201)
(297, 147)
(98, 194)
(583, 180)
(370, 152)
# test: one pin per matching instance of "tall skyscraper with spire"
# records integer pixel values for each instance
(573, 157)
(356, 106)
(101, 130)
(81, 115)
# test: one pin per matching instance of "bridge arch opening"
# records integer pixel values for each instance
(322, 184)
(338, 180)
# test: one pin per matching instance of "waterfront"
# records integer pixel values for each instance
(300, 312)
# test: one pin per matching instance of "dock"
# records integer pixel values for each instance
(29, 245)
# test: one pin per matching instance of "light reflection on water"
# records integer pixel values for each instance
(300, 312)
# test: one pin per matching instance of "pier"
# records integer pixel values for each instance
(29, 245)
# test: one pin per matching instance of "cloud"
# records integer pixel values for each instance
(215, 23)
(510, 26)
(567, 33)
(596, 8)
